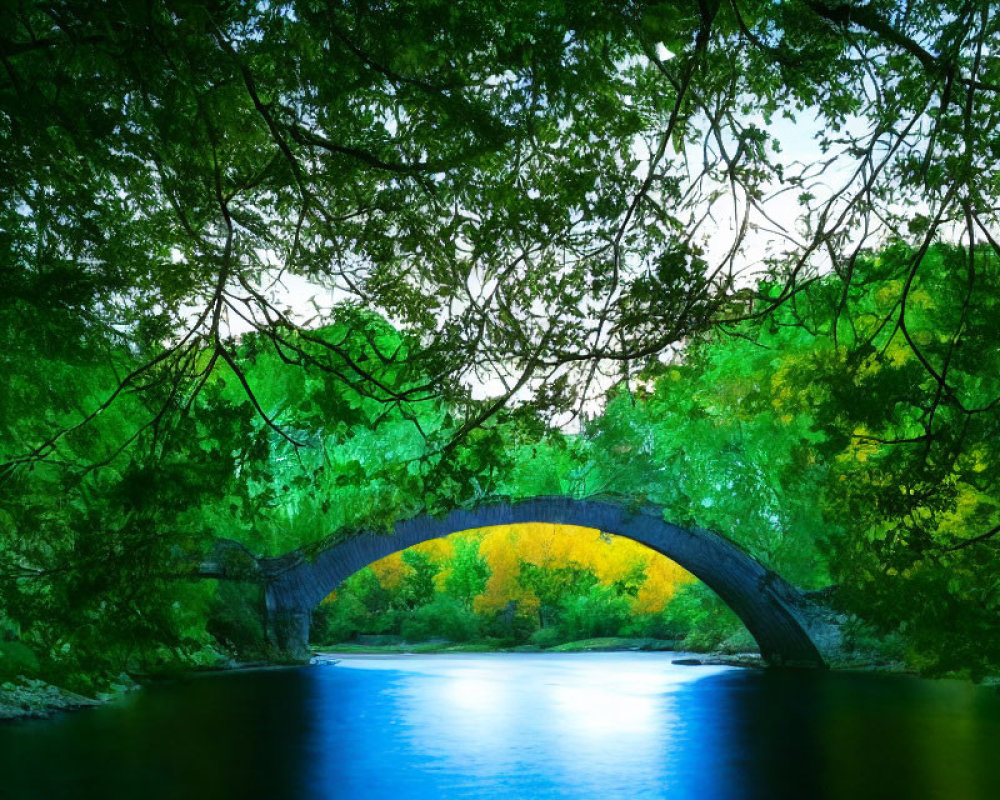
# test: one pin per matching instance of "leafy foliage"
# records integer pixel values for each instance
(837, 444)
(508, 582)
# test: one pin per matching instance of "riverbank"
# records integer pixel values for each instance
(31, 698)
(858, 661)
(379, 645)
(598, 645)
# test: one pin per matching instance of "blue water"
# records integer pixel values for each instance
(603, 725)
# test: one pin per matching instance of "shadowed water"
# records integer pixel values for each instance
(605, 725)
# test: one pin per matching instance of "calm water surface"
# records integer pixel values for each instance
(531, 726)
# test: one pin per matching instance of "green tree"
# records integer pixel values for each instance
(837, 445)
(468, 571)
(552, 584)
(418, 587)
(527, 186)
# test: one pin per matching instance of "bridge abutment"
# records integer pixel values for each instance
(288, 632)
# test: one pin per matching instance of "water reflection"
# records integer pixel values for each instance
(631, 725)
(513, 725)
(194, 739)
(519, 726)
(848, 737)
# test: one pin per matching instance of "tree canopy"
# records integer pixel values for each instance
(544, 193)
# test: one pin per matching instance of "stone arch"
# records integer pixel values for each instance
(789, 630)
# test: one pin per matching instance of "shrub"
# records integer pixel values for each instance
(340, 621)
(443, 617)
(547, 637)
(652, 626)
(236, 620)
(601, 611)
(699, 615)
(510, 624)
(16, 659)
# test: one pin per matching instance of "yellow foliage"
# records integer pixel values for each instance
(391, 570)
(974, 510)
(438, 550)
(663, 578)
(898, 352)
(330, 598)
(861, 447)
(611, 558)
(504, 547)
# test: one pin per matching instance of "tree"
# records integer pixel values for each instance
(527, 186)
(468, 571)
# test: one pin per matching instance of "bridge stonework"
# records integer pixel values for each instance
(789, 629)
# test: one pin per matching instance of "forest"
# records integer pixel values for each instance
(813, 454)
(279, 273)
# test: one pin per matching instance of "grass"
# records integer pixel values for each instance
(581, 646)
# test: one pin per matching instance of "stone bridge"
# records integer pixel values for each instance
(789, 629)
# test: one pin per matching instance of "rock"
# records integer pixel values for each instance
(723, 660)
(29, 698)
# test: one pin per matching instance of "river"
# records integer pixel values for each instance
(525, 726)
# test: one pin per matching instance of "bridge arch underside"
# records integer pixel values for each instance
(774, 612)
